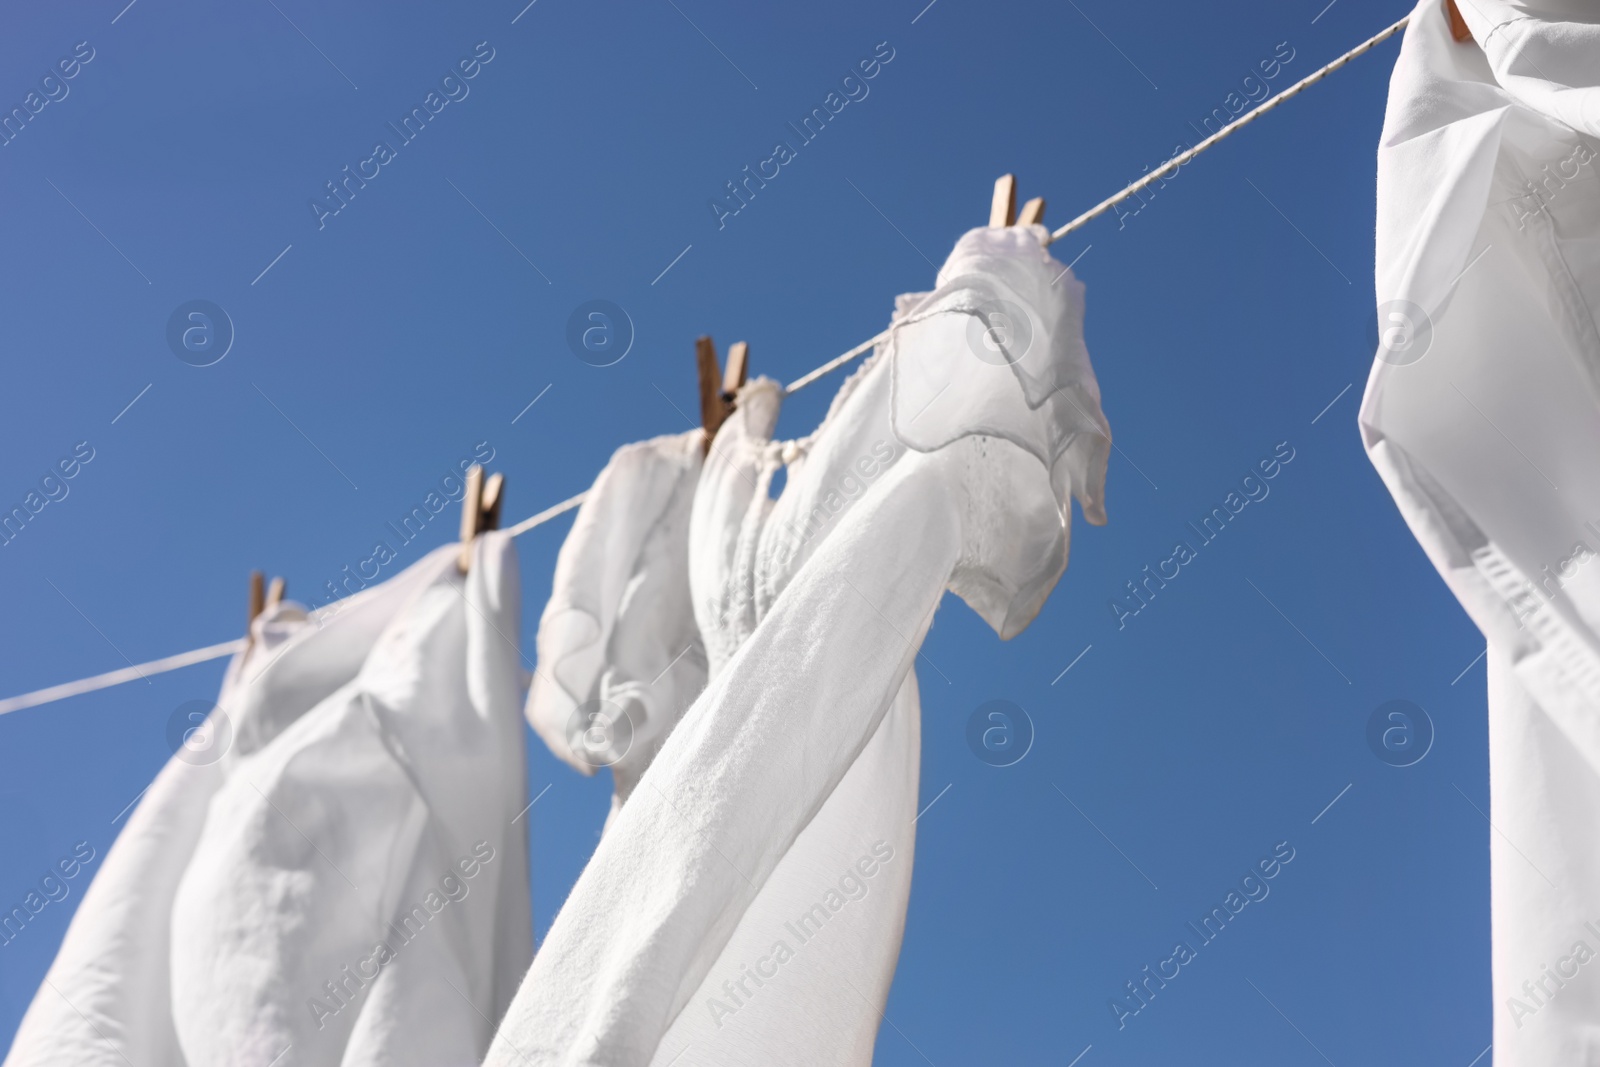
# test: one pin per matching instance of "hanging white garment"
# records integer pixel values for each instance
(836, 900)
(359, 892)
(946, 462)
(619, 655)
(106, 999)
(1482, 414)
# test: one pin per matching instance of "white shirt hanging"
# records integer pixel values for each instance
(811, 634)
(1482, 414)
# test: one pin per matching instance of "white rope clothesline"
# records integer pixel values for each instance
(547, 514)
(1243, 120)
(202, 655)
(1143, 183)
(117, 677)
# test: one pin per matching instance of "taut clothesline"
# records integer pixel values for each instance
(1143, 183)
(227, 648)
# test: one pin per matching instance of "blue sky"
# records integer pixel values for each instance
(1229, 321)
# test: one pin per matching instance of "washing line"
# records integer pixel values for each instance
(227, 648)
(1143, 183)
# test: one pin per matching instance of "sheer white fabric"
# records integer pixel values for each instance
(618, 638)
(1019, 316)
(747, 904)
(1482, 414)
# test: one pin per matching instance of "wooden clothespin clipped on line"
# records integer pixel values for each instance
(262, 598)
(480, 510)
(1458, 25)
(718, 388)
(1003, 208)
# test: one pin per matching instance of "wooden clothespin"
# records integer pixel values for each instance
(262, 599)
(1003, 208)
(258, 598)
(1458, 25)
(480, 510)
(713, 409)
(734, 374)
(719, 389)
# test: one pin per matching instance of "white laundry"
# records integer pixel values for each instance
(825, 927)
(1482, 414)
(619, 655)
(373, 764)
(785, 795)
(359, 894)
(106, 998)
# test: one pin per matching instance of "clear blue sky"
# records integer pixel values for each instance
(424, 317)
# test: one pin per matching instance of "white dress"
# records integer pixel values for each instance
(747, 903)
(818, 999)
(619, 655)
(1482, 415)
